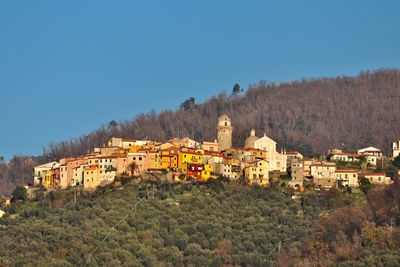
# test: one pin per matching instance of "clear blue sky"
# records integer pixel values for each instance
(66, 67)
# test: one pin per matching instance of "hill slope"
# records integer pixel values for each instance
(322, 113)
(306, 115)
(172, 225)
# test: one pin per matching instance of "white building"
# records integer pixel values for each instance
(323, 174)
(378, 178)
(276, 160)
(126, 143)
(372, 154)
(396, 148)
(43, 169)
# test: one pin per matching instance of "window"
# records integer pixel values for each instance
(140, 158)
(134, 158)
(226, 124)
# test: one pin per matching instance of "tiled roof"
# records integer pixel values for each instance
(375, 174)
(347, 171)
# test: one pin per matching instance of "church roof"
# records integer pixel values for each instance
(224, 117)
(249, 142)
(265, 137)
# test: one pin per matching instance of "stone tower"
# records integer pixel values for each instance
(224, 132)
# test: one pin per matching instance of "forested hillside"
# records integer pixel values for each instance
(364, 234)
(306, 115)
(157, 225)
(323, 113)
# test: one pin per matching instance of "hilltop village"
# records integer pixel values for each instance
(257, 163)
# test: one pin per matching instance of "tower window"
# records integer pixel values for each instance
(226, 124)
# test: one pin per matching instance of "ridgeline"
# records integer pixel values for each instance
(307, 115)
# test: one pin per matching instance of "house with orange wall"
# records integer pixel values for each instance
(141, 160)
(91, 176)
(154, 160)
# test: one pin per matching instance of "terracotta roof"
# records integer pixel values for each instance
(91, 168)
(191, 153)
(324, 165)
(107, 157)
(236, 148)
(349, 171)
(215, 153)
(348, 154)
(251, 162)
(291, 152)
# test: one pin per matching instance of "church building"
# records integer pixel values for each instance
(276, 160)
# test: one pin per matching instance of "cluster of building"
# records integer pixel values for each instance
(328, 173)
(186, 159)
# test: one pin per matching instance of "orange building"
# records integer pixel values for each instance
(154, 160)
(141, 160)
(122, 165)
(91, 176)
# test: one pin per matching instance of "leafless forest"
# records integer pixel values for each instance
(307, 115)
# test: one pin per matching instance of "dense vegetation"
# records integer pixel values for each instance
(307, 115)
(173, 224)
(366, 234)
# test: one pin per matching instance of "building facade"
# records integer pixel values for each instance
(224, 132)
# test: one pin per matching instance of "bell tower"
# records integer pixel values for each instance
(224, 132)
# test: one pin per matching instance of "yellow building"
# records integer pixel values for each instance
(206, 173)
(189, 157)
(211, 146)
(91, 176)
(47, 179)
(257, 172)
(347, 177)
(199, 171)
(169, 158)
